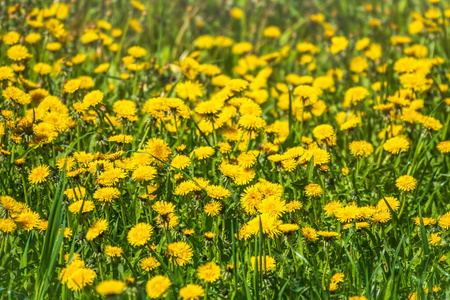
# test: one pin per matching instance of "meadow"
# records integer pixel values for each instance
(247, 149)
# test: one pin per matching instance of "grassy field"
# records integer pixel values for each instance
(224, 149)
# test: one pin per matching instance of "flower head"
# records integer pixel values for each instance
(361, 148)
(192, 292)
(396, 144)
(140, 234)
(111, 287)
(149, 263)
(39, 174)
(209, 272)
(406, 183)
(444, 147)
(113, 251)
(444, 221)
(96, 229)
(157, 286)
(268, 263)
(310, 234)
(18, 53)
(179, 253)
(313, 190)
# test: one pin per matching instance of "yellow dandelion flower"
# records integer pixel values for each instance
(192, 292)
(406, 183)
(268, 263)
(396, 144)
(96, 229)
(213, 208)
(75, 207)
(209, 272)
(18, 53)
(444, 221)
(113, 251)
(149, 263)
(140, 234)
(157, 286)
(313, 190)
(310, 234)
(39, 174)
(361, 148)
(144, 173)
(111, 287)
(179, 253)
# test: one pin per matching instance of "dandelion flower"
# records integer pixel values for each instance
(93, 98)
(444, 221)
(236, 13)
(213, 208)
(313, 190)
(346, 214)
(272, 206)
(76, 206)
(337, 278)
(251, 122)
(113, 251)
(307, 95)
(435, 238)
(392, 201)
(338, 44)
(323, 132)
(192, 292)
(431, 123)
(157, 286)
(137, 51)
(268, 263)
(110, 287)
(361, 148)
(181, 162)
(354, 95)
(149, 263)
(247, 160)
(7, 225)
(396, 144)
(158, 148)
(140, 234)
(272, 32)
(328, 234)
(96, 229)
(444, 147)
(18, 53)
(426, 221)
(111, 176)
(345, 171)
(287, 228)
(107, 194)
(310, 234)
(406, 183)
(293, 206)
(218, 192)
(144, 173)
(6, 73)
(163, 207)
(209, 272)
(27, 220)
(81, 278)
(179, 253)
(39, 174)
(203, 152)
(381, 216)
(268, 223)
